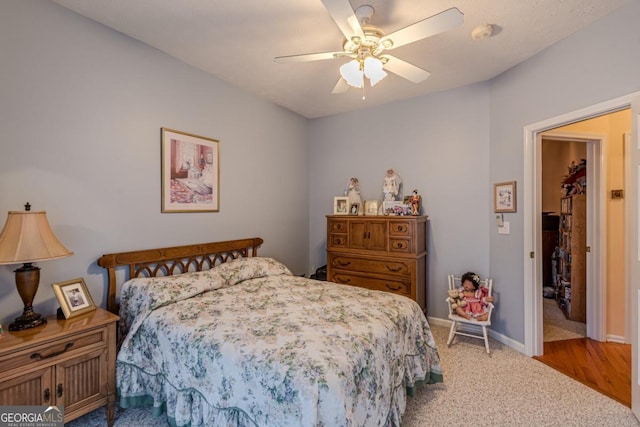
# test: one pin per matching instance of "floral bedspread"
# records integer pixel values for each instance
(249, 344)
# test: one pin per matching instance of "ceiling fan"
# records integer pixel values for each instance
(366, 44)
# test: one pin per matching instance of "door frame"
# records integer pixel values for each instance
(532, 280)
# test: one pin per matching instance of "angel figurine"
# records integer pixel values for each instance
(353, 193)
(391, 186)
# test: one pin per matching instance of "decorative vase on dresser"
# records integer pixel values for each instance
(385, 253)
(69, 363)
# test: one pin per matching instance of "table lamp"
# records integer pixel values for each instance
(28, 238)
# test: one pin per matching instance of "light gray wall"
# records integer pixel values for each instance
(439, 145)
(81, 107)
(587, 68)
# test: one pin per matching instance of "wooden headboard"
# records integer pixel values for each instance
(174, 260)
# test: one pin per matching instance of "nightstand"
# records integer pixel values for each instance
(69, 363)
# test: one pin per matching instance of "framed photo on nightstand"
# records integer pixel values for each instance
(74, 297)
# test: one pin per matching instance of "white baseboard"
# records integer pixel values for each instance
(616, 338)
(517, 346)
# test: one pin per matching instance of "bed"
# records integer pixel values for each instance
(213, 334)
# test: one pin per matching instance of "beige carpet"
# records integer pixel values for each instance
(556, 327)
(505, 388)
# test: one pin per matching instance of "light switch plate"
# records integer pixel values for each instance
(504, 229)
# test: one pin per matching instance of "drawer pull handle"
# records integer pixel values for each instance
(344, 264)
(39, 356)
(393, 270)
(59, 394)
(400, 245)
(47, 394)
(393, 288)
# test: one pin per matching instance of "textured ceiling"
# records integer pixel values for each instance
(237, 40)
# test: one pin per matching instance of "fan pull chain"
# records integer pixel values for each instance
(363, 85)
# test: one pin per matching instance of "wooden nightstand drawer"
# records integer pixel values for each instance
(51, 351)
(396, 286)
(366, 265)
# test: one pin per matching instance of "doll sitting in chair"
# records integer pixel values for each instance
(477, 298)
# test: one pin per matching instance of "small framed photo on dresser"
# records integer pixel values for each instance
(340, 205)
(74, 297)
(371, 207)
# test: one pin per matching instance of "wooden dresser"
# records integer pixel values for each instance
(387, 253)
(68, 363)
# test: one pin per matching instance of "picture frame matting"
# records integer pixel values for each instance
(504, 197)
(74, 297)
(190, 172)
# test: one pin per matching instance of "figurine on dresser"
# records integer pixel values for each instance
(415, 202)
(353, 193)
(391, 186)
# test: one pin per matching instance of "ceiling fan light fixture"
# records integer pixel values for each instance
(352, 73)
(373, 70)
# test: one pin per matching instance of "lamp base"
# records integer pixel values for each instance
(27, 279)
(29, 319)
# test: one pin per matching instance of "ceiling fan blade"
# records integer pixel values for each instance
(341, 86)
(405, 69)
(342, 13)
(428, 27)
(308, 57)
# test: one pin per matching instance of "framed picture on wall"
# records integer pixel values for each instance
(504, 197)
(190, 172)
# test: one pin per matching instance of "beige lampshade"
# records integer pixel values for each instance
(27, 237)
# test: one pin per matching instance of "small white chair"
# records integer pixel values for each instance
(459, 321)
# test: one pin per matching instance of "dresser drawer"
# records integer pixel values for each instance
(401, 228)
(366, 265)
(397, 286)
(337, 226)
(338, 240)
(400, 245)
(51, 351)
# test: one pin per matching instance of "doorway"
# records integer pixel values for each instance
(598, 141)
(606, 321)
(532, 225)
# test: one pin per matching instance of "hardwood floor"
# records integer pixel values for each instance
(603, 366)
